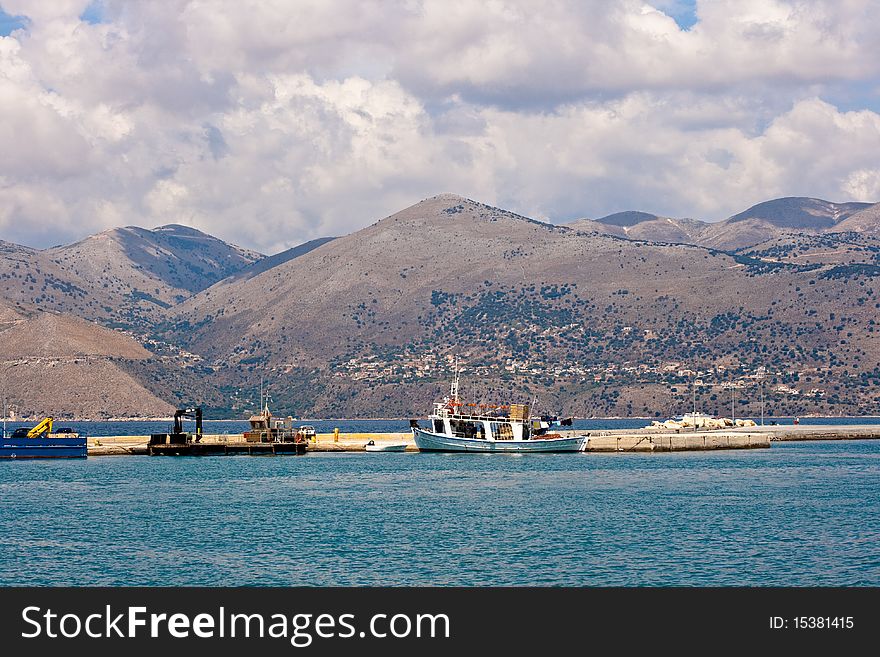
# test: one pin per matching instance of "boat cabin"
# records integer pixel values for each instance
(482, 424)
(268, 429)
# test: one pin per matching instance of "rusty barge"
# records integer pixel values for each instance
(268, 436)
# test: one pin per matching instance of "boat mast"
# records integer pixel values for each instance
(453, 388)
(264, 398)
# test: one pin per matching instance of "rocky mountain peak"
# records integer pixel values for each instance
(628, 218)
(799, 212)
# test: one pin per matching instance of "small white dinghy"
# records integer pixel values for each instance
(385, 447)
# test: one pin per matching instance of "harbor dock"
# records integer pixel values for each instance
(612, 440)
(651, 439)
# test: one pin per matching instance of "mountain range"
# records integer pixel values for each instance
(629, 314)
(761, 222)
(123, 276)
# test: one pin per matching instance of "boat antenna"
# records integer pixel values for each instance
(264, 396)
(453, 389)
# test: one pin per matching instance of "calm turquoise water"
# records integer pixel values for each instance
(794, 514)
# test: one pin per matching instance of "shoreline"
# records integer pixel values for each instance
(406, 419)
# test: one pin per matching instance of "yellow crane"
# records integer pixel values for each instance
(41, 429)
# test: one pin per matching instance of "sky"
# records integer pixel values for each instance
(271, 122)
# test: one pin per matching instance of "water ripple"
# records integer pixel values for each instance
(802, 514)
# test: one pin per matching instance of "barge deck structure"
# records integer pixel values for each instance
(227, 449)
(266, 437)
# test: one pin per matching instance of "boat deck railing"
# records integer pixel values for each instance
(480, 418)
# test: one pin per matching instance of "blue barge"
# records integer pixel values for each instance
(43, 448)
(41, 442)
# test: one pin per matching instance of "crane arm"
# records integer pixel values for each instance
(42, 428)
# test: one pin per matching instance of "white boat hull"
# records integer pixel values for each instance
(399, 447)
(428, 441)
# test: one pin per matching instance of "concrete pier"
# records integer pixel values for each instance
(617, 440)
(657, 442)
(325, 442)
(820, 432)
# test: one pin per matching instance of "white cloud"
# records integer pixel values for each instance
(268, 123)
(863, 185)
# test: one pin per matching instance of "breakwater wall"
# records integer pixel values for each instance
(622, 440)
(659, 442)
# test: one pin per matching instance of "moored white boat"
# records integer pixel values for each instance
(372, 446)
(428, 441)
(476, 428)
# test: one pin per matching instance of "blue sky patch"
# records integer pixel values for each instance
(94, 13)
(684, 12)
(10, 23)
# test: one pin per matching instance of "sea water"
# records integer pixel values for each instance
(799, 514)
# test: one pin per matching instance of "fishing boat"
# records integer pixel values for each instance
(284, 436)
(41, 442)
(372, 446)
(455, 427)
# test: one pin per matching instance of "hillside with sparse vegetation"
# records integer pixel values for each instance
(589, 322)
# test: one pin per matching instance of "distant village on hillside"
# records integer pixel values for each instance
(632, 314)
